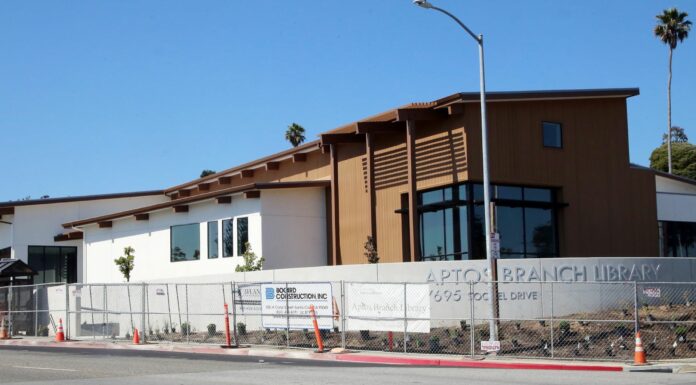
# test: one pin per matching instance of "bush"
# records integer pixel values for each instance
(43, 331)
(564, 326)
(241, 328)
(212, 328)
(185, 328)
(681, 331)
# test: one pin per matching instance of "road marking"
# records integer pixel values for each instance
(37, 368)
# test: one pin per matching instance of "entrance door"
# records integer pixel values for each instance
(54, 263)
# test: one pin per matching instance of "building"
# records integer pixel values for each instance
(409, 178)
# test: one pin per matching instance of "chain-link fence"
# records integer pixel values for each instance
(563, 320)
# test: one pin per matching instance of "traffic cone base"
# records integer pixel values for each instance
(639, 357)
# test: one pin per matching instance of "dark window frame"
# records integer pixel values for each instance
(216, 241)
(560, 134)
(241, 241)
(196, 257)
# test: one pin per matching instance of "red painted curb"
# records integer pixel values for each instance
(473, 364)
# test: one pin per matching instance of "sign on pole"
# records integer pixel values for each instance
(495, 245)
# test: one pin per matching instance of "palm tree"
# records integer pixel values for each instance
(295, 134)
(672, 28)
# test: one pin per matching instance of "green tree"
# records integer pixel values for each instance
(672, 28)
(126, 263)
(206, 172)
(678, 136)
(295, 134)
(371, 250)
(683, 159)
(250, 261)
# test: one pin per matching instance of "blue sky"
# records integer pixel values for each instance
(112, 96)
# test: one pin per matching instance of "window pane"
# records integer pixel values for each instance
(510, 226)
(679, 239)
(537, 194)
(478, 192)
(212, 239)
(227, 238)
(478, 242)
(540, 232)
(508, 192)
(36, 262)
(552, 134)
(185, 242)
(437, 236)
(69, 264)
(242, 235)
(52, 264)
(429, 197)
(463, 231)
(462, 192)
(447, 192)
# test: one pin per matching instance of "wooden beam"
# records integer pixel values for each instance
(372, 201)
(174, 196)
(377, 127)
(224, 200)
(7, 210)
(456, 109)
(335, 236)
(272, 166)
(204, 186)
(341, 138)
(252, 194)
(299, 157)
(73, 235)
(225, 180)
(184, 193)
(105, 224)
(181, 209)
(247, 173)
(142, 217)
(413, 228)
(406, 114)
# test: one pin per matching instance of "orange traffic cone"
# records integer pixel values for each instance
(60, 335)
(3, 330)
(136, 337)
(639, 358)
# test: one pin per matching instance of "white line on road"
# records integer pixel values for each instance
(37, 368)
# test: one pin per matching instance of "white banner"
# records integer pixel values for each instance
(380, 307)
(297, 297)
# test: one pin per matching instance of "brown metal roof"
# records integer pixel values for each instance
(494, 96)
(30, 202)
(14, 268)
(197, 198)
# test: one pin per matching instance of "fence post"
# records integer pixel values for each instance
(105, 304)
(472, 328)
(287, 316)
(188, 322)
(143, 306)
(36, 310)
(635, 307)
(552, 317)
(91, 312)
(10, 300)
(67, 311)
(234, 312)
(343, 315)
(405, 319)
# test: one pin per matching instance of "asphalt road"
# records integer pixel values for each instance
(93, 366)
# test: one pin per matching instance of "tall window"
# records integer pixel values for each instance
(677, 239)
(185, 242)
(212, 239)
(452, 223)
(242, 235)
(53, 263)
(553, 135)
(227, 238)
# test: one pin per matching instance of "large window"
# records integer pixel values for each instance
(677, 239)
(227, 238)
(553, 134)
(53, 263)
(452, 223)
(242, 235)
(185, 242)
(212, 239)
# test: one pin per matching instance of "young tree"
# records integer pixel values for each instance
(126, 263)
(672, 28)
(295, 134)
(250, 262)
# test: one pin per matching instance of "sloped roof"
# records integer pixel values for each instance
(14, 268)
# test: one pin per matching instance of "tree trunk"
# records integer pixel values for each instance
(669, 115)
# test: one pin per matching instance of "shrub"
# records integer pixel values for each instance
(241, 328)
(185, 328)
(212, 329)
(564, 326)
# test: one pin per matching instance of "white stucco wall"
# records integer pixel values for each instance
(6, 231)
(286, 226)
(676, 200)
(36, 225)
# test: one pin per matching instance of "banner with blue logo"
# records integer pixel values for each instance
(284, 304)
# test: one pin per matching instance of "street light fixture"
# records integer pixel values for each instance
(484, 152)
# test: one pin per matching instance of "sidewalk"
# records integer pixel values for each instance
(366, 356)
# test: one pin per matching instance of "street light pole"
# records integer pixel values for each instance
(493, 335)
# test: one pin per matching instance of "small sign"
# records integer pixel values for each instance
(652, 292)
(159, 291)
(490, 346)
(495, 245)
